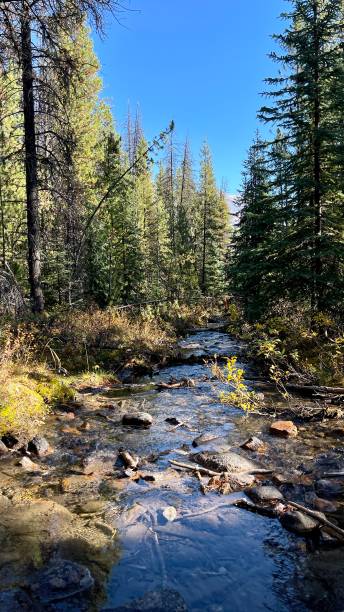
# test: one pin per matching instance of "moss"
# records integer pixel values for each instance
(22, 409)
(55, 391)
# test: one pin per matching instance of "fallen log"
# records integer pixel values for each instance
(314, 389)
(322, 520)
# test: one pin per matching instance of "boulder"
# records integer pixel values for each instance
(60, 580)
(164, 600)
(265, 494)
(137, 419)
(224, 462)
(298, 522)
(284, 429)
(39, 446)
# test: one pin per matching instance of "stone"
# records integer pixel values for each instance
(170, 513)
(324, 505)
(254, 444)
(61, 580)
(17, 600)
(332, 488)
(204, 439)
(39, 446)
(173, 421)
(9, 440)
(28, 465)
(3, 448)
(284, 429)
(224, 462)
(92, 506)
(85, 426)
(163, 600)
(298, 522)
(265, 494)
(66, 416)
(99, 462)
(72, 431)
(77, 483)
(137, 419)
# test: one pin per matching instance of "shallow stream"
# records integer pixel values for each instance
(219, 558)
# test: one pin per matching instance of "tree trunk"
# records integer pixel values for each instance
(317, 200)
(32, 200)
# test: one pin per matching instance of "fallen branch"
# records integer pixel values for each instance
(324, 521)
(196, 468)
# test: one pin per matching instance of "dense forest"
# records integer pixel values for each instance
(83, 201)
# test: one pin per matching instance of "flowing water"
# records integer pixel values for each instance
(218, 557)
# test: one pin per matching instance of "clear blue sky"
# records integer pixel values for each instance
(199, 62)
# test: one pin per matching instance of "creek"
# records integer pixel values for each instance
(216, 556)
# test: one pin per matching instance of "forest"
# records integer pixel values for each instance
(128, 276)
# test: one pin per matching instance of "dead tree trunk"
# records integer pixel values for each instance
(32, 199)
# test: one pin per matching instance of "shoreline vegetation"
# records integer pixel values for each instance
(44, 360)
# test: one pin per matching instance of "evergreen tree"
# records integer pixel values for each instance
(212, 233)
(253, 268)
(308, 112)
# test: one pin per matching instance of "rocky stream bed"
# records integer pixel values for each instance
(145, 497)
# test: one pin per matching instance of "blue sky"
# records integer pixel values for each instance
(199, 62)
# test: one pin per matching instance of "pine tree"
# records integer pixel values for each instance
(12, 177)
(307, 111)
(253, 274)
(212, 234)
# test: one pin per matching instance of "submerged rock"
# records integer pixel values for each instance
(137, 419)
(39, 446)
(254, 444)
(99, 462)
(265, 494)
(224, 462)
(204, 439)
(60, 580)
(164, 600)
(332, 488)
(16, 600)
(284, 429)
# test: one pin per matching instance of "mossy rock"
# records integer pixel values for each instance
(22, 409)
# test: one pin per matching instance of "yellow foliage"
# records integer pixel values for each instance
(240, 395)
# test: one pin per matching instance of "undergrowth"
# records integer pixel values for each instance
(294, 347)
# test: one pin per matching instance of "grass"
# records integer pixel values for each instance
(42, 360)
